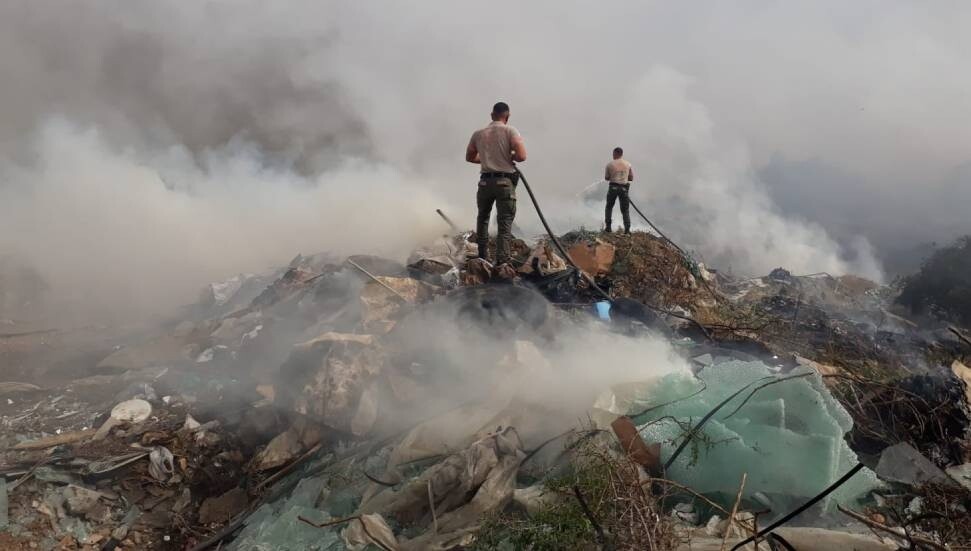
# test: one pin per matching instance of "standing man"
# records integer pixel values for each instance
(496, 147)
(619, 174)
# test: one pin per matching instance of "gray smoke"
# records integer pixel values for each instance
(148, 146)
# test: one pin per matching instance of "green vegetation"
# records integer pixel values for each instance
(561, 525)
(627, 511)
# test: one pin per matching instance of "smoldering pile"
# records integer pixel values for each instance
(341, 403)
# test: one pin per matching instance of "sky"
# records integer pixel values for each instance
(147, 147)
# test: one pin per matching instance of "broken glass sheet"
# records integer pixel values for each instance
(788, 436)
(277, 526)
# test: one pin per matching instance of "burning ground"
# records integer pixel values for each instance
(354, 402)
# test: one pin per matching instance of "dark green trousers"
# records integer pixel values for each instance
(614, 192)
(502, 192)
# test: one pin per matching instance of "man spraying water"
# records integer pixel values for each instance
(619, 174)
(497, 148)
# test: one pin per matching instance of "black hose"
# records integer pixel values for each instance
(694, 430)
(832, 487)
(587, 276)
(549, 231)
(655, 228)
(781, 541)
(687, 258)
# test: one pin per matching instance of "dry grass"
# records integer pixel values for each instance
(603, 503)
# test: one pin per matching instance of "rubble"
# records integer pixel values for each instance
(288, 445)
(543, 261)
(162, 351)
(961, 474)
(455, 494)
(902, 463)
(382, 301)
(79, 501)
(229, 295)
(963, 373)
(644, 268)
(835, 321)
(327, 379)
(16, 388)
(803, 539)
(926, 410)
(595, 258)
(220, 510)
(344, 404)
(440, 257)
(104, 476)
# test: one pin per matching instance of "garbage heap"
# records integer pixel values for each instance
(444, 403)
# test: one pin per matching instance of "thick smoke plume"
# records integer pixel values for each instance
(117, 234)
(556, 378)
(146, 147)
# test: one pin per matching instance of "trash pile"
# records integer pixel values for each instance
(645, 268)
(845, 321)
(446, 403)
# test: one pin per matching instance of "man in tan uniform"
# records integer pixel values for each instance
(619, 174)
(496, 147)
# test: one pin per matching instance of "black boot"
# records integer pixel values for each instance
(607, 228)
(484, 251)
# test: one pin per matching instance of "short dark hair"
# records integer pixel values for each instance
(618, 151)
(500, 108)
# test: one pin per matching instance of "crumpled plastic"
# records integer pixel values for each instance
(543, 261)
(462, 488)
(161, 465)
(368, 529)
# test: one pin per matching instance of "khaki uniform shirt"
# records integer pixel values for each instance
(618, 171)
(494, 144)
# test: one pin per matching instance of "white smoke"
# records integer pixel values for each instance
(197, 140)
(118, 233)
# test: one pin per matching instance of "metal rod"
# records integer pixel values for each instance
(447, 220)
(376, 280)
